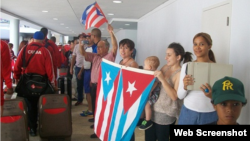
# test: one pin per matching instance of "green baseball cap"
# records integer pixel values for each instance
(228, 88)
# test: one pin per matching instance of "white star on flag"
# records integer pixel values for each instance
(131, 88)
(107, 77)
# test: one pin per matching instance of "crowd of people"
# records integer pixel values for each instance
(169, 101)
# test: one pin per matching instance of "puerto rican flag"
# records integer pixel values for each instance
(121, 96)
(93, 16)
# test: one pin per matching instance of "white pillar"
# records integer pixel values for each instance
(14, 34)
(49, 34)
(21, 38)
(61, 39)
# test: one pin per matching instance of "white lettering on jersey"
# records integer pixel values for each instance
(32, 51)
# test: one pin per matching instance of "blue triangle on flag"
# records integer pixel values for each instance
(109, 74)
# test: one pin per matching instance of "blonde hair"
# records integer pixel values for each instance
(153, 61)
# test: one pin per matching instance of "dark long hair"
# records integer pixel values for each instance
(179, 50)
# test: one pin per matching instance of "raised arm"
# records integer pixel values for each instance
(81, 48)
(113, 40)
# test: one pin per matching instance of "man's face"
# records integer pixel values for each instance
(88, 38)
(81, 38)
(92, 37)
(101, 49)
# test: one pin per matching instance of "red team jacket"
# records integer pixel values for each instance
(41, 63)
(5, 68)
(52, 47)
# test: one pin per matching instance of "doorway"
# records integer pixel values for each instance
(216, 22)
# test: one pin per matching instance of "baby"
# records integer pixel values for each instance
(151, 63)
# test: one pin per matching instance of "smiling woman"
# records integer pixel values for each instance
(166, 109)
(126, 48)
(200, 109)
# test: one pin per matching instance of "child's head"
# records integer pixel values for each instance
(151, 63)
(228, 97)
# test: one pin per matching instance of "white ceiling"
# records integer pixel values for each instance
(69, 13)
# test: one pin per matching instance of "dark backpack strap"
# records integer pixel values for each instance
(46, 43)
(24, 56)
(24, 63)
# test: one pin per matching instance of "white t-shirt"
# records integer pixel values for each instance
(193, 100)
(79, 56)
(87, 64)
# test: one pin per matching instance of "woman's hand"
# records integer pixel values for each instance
(188, 80)
(206, 90)
(159, 75)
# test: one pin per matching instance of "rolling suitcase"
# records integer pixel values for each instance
(14, 126)
(55, 120)
(65, 86)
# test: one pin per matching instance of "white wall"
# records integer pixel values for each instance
(240, 49)
(4, 33)
(179, 20)
(122, 34)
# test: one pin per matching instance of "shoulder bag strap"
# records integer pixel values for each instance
(26, 64)
(46, 43)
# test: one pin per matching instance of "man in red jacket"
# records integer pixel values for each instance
(5, 71)
(56, 55)
(42, 64)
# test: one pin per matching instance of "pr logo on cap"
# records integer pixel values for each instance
(227, 85)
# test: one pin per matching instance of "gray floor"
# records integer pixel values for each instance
(81, 126)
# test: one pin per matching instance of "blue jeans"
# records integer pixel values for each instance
(190, 117)
(79, 84)
(87, 73)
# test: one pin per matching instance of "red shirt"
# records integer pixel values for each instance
(5, 68)
(41, 63)
(56, 54)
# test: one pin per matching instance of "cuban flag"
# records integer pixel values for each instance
(121, 96)
(93, 16)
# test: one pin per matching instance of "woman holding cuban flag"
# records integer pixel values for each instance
(166, 109)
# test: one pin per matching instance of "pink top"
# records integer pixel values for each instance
(96, 63)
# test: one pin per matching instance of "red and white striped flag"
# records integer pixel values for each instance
(93, 16)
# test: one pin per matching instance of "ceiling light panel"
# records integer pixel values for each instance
(117, 1)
